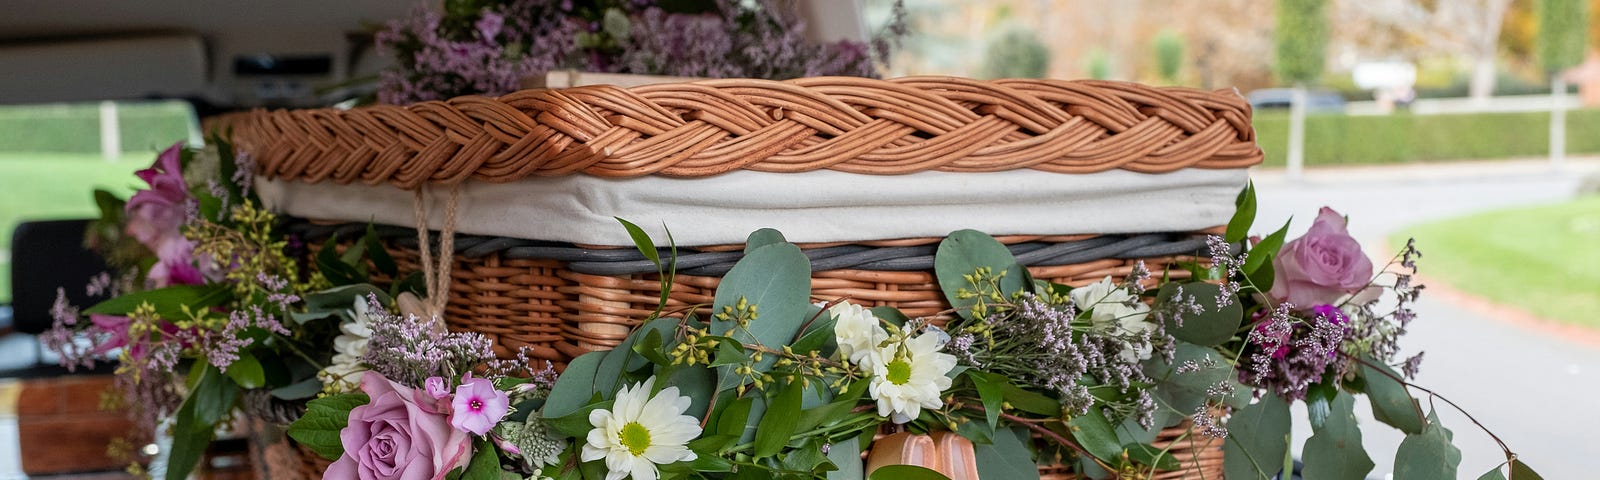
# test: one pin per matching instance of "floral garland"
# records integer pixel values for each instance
(766, 381)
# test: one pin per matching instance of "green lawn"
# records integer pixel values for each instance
(1545, 259)
(39, 186)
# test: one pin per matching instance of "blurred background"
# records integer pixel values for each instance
(1471, 125)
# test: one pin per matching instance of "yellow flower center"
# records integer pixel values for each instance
(899, 371)
(635, 437)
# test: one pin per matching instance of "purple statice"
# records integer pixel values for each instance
(1179, 307)
(102, 285)
(1412, 365)
(1208, 424)
(408, 349)
(62, 337)
(220, 192)
(244, 171)
(1222, 256)
(500, 46)
(1286, 355)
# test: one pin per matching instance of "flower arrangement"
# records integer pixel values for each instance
(487, 46)
(766, 381)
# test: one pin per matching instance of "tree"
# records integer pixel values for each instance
(1169, 55)
(1302, 44)
(1017, 53)
(1563, 37)
(1412, 28)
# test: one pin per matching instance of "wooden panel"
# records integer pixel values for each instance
(61, 426)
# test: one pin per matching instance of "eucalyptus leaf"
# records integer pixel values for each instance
(697, 384)
(1146, 454)
(761, 238)
(1494, 474)
(189, 440)
(575, 386)
(1334, 451)
(1212, 326)
(485, 464)
(1258, 439)
(1186, 392)
(610, 375)
(961, 254)
(1521, 471)
(1391, 401)
(1007, 458)
(1428, 455)
(303, 389)
(846, 455)
(776, 280)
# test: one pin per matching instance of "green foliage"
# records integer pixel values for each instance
(1428, 455)
(168, 302)
(1244, 215)
(1391, 401)
(774, 282)
(1337, 139)
(1302, 40)
(1258, 440)
(210, 399)
(1169, 55)
(968, 251)
(1334, 451)
(1016, 53)
(319, 428)
(1563, 33)
(1213, 325)
(1007, 457)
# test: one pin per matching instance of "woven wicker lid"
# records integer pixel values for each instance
(703, 128)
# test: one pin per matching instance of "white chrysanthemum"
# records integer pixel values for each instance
(911, 378)
(343, 373)
(640, 432)
(1112, 307)
(859, 333)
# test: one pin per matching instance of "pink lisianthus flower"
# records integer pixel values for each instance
(478, 406)
(175, 265)
(116, 329)
(393, 437)
(1321, 266)
(154, 214)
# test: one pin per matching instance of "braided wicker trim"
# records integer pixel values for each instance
(856, 125)
(896, 256)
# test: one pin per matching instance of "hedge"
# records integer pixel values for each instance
(1338, 139)
(75, 127)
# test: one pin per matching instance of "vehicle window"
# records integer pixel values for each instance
(53, 156)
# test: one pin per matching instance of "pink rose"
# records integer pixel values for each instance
(394, 437)
(1321, 266)
(155, 214)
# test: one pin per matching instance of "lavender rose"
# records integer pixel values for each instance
(1321, 266)
(395, 437)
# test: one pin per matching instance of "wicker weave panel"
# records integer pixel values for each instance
(708, 127)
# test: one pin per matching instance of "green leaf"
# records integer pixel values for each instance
(697, 384)
(379, 255)
(246, 371)
(1007, 458)
(1262, 253)
(169, 301)
(575, 386)
(1185, 392)
(776, 279)
(1521, 471)
(299, 390)
(808, 457)
(576, 424)
(319, 428)
(761, 238)
(189, 440)
(1334, 451)
(649, 348)
(779, 423)
(1243, 215)
(1146, 454)
(338, 300)
(846, 455)
(990, 394)
(1263, 277)
(334, 268)
(1258, 439)
(1494, 474)
(1391, 402)
(610, 375)
(890, 314)
(961, 253)
(734, 417)
(641, 241)
(214, 396)
(485, 463)
(1428, 455)
(1213, 325)
(908, 472)
(1093, 432)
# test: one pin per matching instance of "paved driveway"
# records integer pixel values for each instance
(1534, 388)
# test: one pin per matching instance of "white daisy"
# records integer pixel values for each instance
(859, 333)
(911, 378)
(343, 373)
(1114, 308)
(640, 432)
